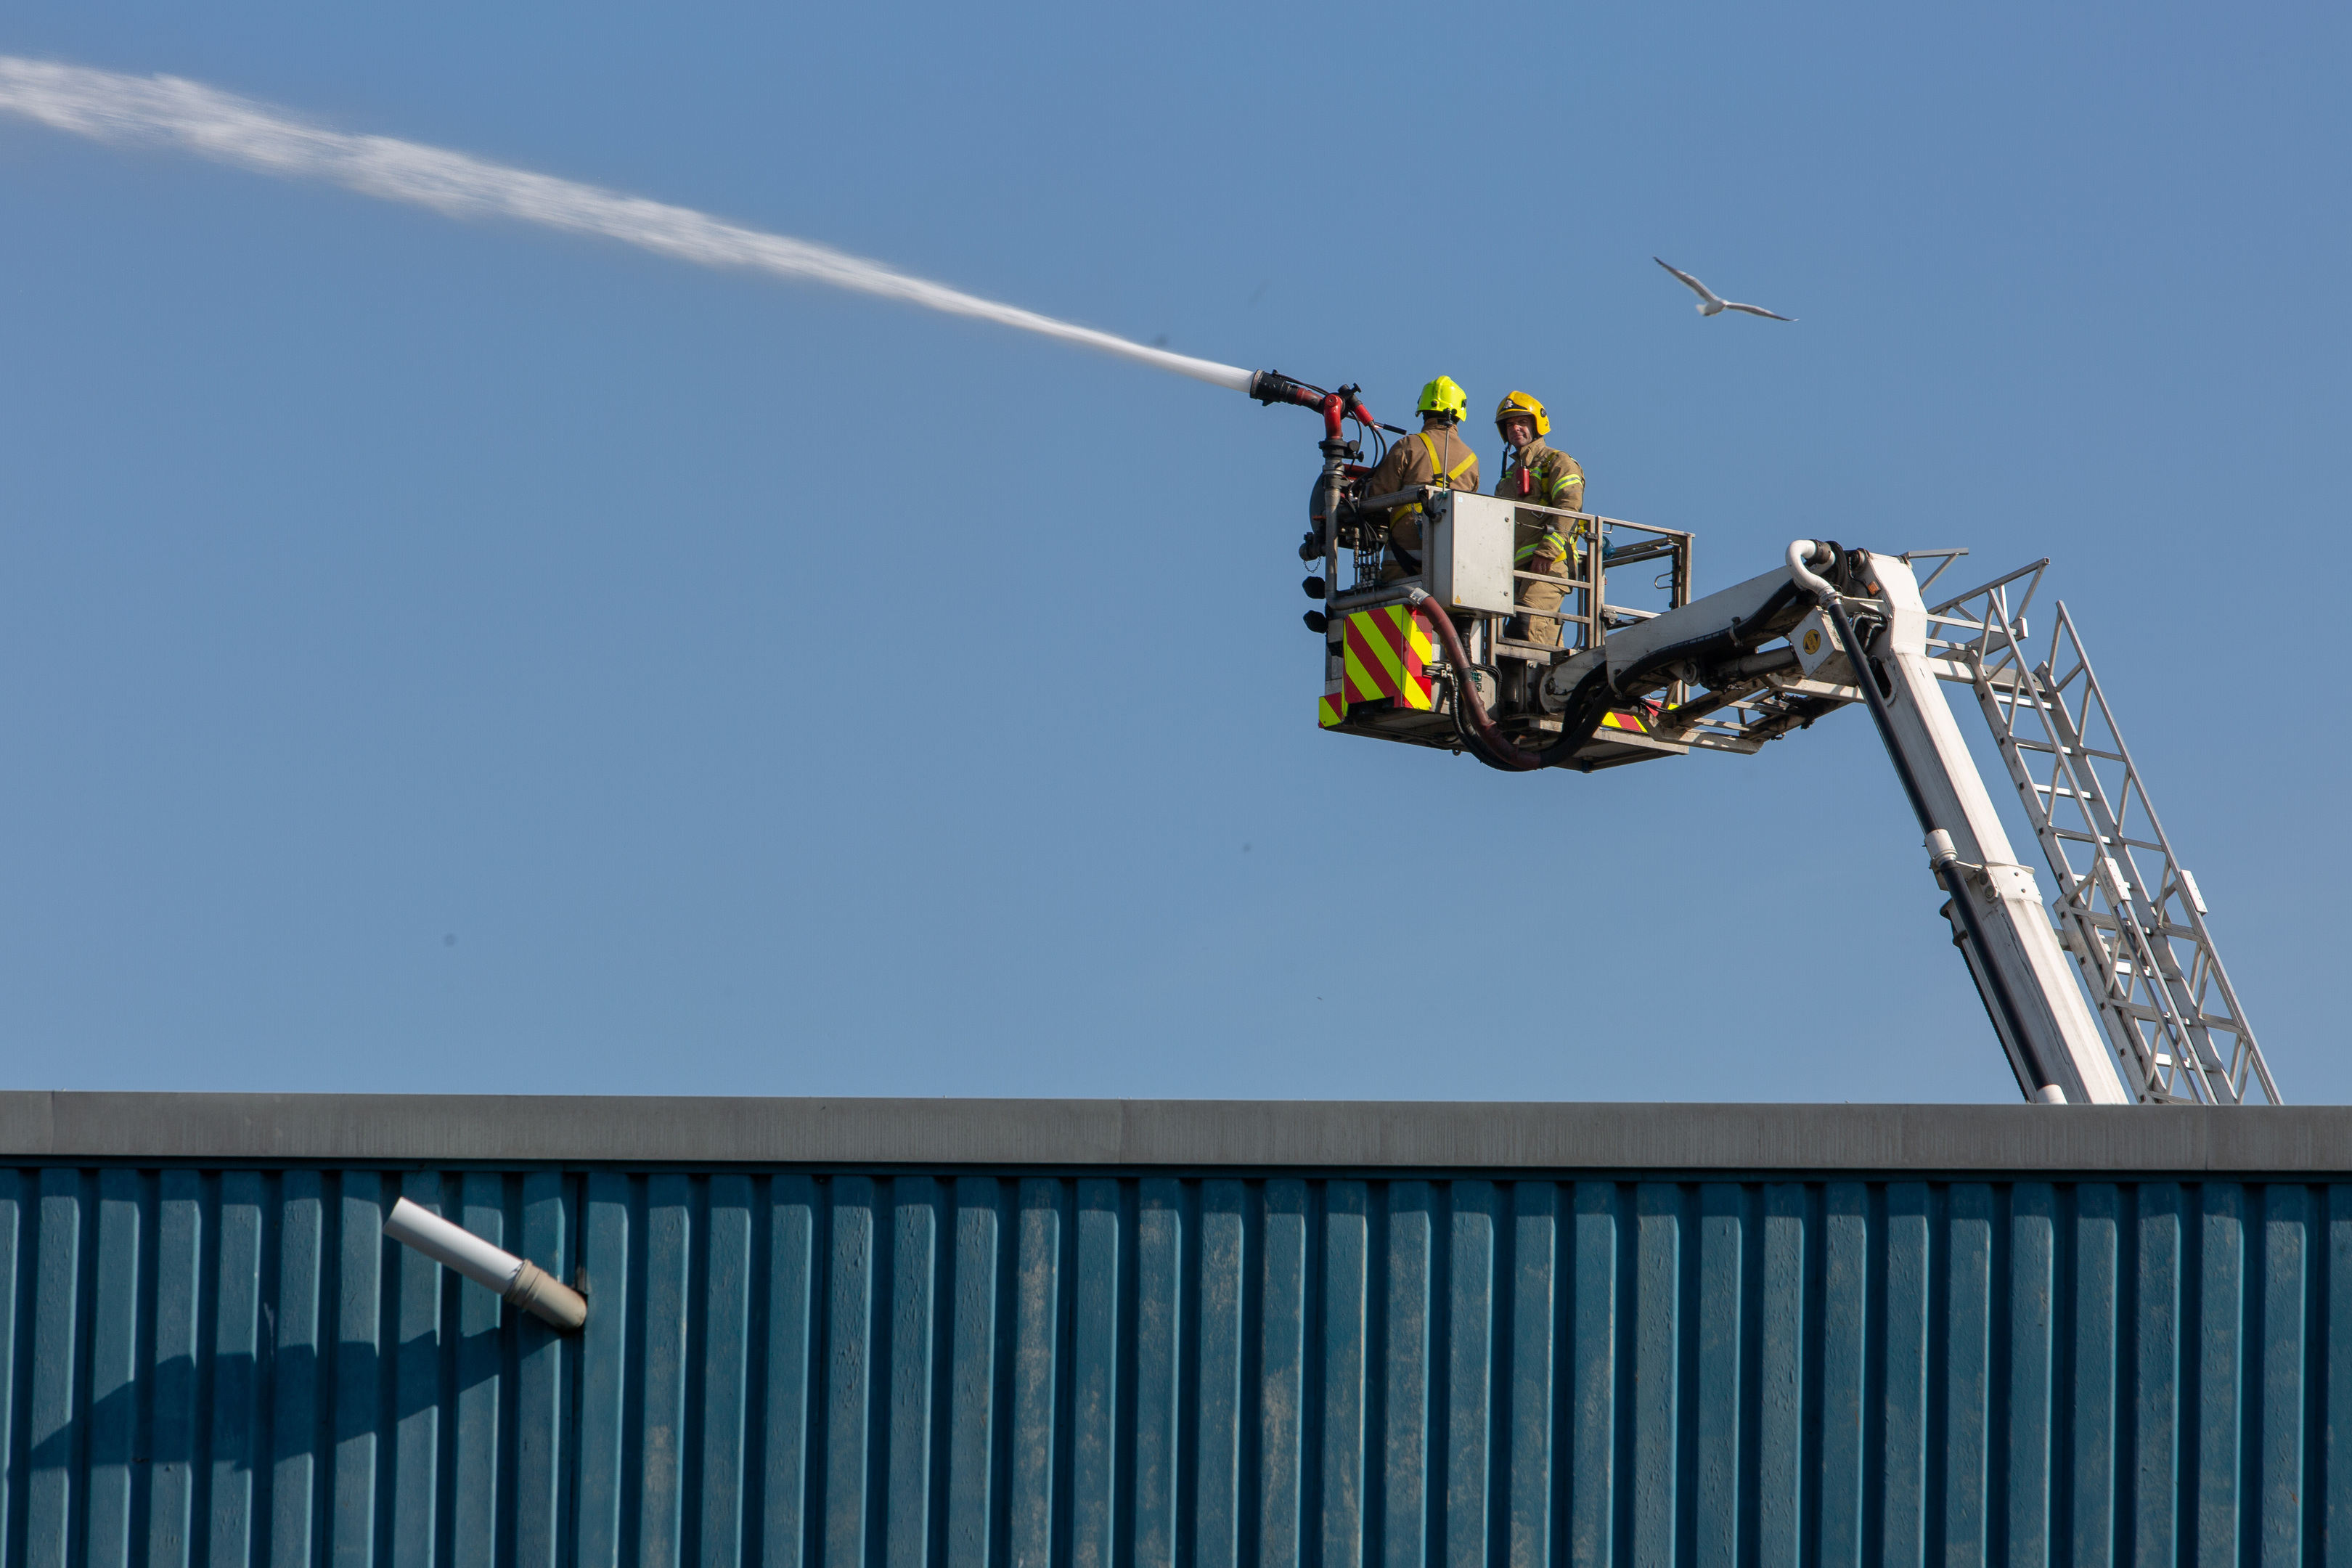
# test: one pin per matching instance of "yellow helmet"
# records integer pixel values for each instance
(1444, 396)
(1518, 404)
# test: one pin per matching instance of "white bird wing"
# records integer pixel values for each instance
(1756, 310)
(1699, 288)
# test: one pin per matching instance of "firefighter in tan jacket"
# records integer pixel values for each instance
(1547, 477)
(1437, 454)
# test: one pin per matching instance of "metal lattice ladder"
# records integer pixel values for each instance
(2126, 909)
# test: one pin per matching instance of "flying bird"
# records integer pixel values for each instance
(1710, 303)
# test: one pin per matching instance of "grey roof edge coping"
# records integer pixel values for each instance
(1348, 1134)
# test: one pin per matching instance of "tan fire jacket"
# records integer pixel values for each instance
(1547, 477)
(1425, 457)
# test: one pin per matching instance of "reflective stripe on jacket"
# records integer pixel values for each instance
(1469, 463)
(1428, 458)
(1547, 477)
(1559, 481)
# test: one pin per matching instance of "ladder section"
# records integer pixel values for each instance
(2126, 909)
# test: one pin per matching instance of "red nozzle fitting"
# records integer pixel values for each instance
(1334, 410)
(1270, 386)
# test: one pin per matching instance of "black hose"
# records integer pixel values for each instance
(1587, 708)
(1594, 695)
(1470, 739)
(1465, 737)
(1493, 747)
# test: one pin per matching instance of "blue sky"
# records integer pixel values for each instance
(455, 656)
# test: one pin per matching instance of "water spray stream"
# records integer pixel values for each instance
(168, 111)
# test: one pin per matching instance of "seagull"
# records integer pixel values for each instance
(1710, 303)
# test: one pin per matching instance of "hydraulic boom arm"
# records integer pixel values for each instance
(2053, 1040)
(2053, 1043)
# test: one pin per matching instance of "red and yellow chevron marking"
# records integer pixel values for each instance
(1387, 652)
(1331, 709)
(1632, 721)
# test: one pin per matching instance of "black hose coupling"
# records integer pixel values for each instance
(1270, 386)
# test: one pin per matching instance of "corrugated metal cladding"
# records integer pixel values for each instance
(231, 1368)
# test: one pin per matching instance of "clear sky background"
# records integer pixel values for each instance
(438, 657)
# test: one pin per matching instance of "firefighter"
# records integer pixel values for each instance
(1437, 454)
(1543, 474)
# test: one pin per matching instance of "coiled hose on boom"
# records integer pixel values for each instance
(1593, 696)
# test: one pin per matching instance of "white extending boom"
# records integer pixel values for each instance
(2053, 1042)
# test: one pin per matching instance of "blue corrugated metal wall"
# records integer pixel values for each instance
(232, 1369)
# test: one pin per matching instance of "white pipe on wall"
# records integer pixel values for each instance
(517, 1280)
